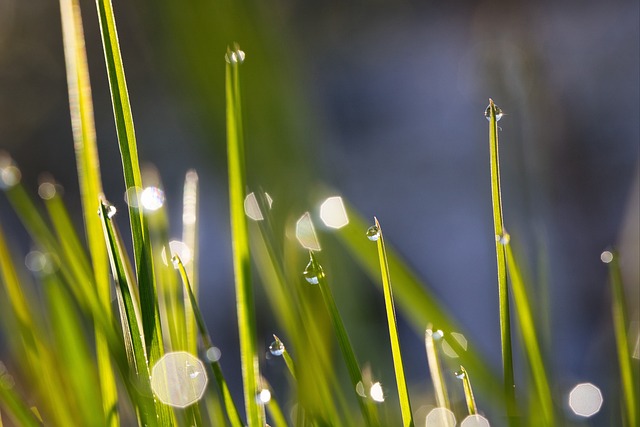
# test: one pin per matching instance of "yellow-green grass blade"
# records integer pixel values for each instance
(273, 407)
(132, 178)
(74, 357)
(435, 369)
(225, 395)
(16, 407)
(414, 299)
(84, 136)
(286, 356)
(240, 237)
(529, 334)
(620, 325)
(468, 391)
(492, 113)
(190, 238)
(315, 274)
(398, 367)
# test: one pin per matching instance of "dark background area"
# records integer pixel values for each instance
(384, 102)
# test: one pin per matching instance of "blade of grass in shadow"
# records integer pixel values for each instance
(439, 386)
(493, 114)
(225, 395)
(240, 238)
(528, 332)
(375, 233)
(314, 274)
(620, 322)
(468, 391)
(190, 238)
(82, 120)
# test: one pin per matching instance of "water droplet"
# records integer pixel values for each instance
(175, 260)
(313, 272)
(178, 379)
(333, 213)
(213, 354)
(376, 392)
(152, 199)
(264, 396)
(111, 211)
(373, 233)
(277, 348)
(235, 56)
(437, 335)
(503, 238)
(179, 248)
(460, 375)
(499, 113)
(606, 257)
(306, 233)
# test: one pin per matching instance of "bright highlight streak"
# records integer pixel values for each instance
(376, 392)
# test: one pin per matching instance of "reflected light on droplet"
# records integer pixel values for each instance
(585, 400)
(333, 212)
(178, 379)
(606, 257)
(475, 421)
(460, 339)
(251, 207)
(152, 199)
(213, 354)
(306, 233)
(264, 396)
(179, 248)
(440, 417)
(376, 392)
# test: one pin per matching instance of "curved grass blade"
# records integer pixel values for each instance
(468, 391)
(620, 322)
(227, 401)
(84, 135)
(439, 386)
(529, 334)
(403, 391)
(492, 113)
(240, 237)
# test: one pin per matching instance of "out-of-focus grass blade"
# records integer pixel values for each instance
(529, 334)
(84, 135)
(315, 274)
(240, 237)
(273, 407)
(493, 113)
(439, 386)
(468, 391)
(227, 401)
(190, 238)
(403, 391)
(620, 322)
(17, 409)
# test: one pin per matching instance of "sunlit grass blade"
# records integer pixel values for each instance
(529, 334)
(493, 113)
(190, 238)
(273, 407)
(398, 367)
(17, 409)
(225, 395)
(315, 274)
(439, 385)
(82, 120)
(468, 391)
(620, 325)
(286, 356)
(240, 237)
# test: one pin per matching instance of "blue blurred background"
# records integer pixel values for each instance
(382, 101)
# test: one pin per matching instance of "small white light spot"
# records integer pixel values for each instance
(333, 212)
(376, 392)
(264, 396)
(440, 417)
(585, 400)
(213, 354)
(306, 233)
(179, 248)
(47, 190)
(460, 339)
(9, 176)
(152, 199)
(178, 379)
(606, 257)
(251, 207)
(475, 421)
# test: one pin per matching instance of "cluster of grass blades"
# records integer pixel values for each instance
(146, 354)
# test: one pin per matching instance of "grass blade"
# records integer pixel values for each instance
(403, 391)
(439, 386)
(620, 322)
(468, 391)
(241, 260)
(17, 409)
(493, 113)
(190, 238)
(529, 334)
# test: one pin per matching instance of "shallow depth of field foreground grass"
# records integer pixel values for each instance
(103, 333)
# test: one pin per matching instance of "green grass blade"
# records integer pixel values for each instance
(288, 361)
(84, 135)
(503, 291)
(190, 238)
(468, 391)
(529, 334)
(225, 395)
(314, 273)
(439, 386)
(273, 407)
(620, 322)
(240, 237)
(17, 409)
(403, 391)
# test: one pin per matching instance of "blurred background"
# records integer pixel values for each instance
(382, 103)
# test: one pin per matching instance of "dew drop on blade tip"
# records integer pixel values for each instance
(373, 233)
(277, 348)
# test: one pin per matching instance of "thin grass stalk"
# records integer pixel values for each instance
(288, 361)
(225, 395)
(190, 238)
(82, 120)
(503, 290)
(529, 334)
(240, 238)
(468, 391)
(403, 391)
(620, 322)
(435, 369)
